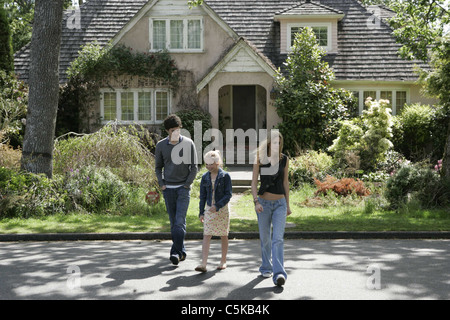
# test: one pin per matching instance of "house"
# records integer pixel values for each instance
(229, 52)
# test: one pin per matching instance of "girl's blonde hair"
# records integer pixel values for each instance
(215, 156)
(264, 150)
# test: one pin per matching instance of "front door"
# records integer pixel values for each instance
(244, 107)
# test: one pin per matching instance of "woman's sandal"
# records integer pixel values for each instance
(200, 268)
(222, 266)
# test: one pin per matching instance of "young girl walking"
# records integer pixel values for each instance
(215, 193)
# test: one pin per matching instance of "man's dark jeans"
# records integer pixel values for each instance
(177, 204)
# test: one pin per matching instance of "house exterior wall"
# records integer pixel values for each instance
(413, 91)
(217, 41)
(193, 66)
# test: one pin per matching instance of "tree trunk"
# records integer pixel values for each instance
(38, 142)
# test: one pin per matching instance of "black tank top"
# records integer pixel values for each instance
(273, 183)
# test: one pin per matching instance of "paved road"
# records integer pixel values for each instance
(317, 269)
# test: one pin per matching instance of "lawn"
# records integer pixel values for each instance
(309, 213)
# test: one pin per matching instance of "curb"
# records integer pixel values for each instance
(318, 235)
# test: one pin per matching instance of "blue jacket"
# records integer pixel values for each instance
(222, 187)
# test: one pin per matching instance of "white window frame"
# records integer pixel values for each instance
(185, 34)
(378, 97)
(136, 105)
(327, 25)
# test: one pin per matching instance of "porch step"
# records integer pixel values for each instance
(241, 178)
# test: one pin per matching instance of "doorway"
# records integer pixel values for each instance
(244, 107)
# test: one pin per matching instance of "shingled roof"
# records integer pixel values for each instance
(101, 20)
(309, 8)
(366, 51)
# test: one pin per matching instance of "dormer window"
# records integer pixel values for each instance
(321, 19)
(321, 30)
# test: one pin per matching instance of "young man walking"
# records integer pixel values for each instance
(176, 168)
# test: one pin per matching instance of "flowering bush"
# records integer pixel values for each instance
(368, 136)
(438, 167)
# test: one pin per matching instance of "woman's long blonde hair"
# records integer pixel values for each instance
(264, 150)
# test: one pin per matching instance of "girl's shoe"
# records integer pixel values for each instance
(267, 274)
(222, 266)
(200, 268)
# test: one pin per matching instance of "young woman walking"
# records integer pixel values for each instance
(272, 205)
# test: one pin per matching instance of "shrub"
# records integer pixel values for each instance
(309, 166)
(342, 187)
(420, 132)
(118, 149)
(369, 137)
(9, 157)
(13, 108)
(95, 189)
(417, 183)
(24, 194)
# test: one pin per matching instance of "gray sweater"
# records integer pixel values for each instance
(179, 162)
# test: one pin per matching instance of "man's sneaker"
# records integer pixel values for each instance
(175, 259)
(280, 280)
(183, 257)
(267, 274)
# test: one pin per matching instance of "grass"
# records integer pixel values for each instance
(310, 213)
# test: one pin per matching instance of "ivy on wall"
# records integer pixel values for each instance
(96, 67)
(95, 64)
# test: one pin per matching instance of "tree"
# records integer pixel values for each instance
(309, 106)
(6, 52)
(44, 87)
(437, 82)
(422, 26)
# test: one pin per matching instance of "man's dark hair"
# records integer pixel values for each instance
(172, 121)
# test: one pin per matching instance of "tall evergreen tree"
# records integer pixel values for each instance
(6, 51)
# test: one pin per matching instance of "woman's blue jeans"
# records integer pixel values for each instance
(272, 242)
(177, 204)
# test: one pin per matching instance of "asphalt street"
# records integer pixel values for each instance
(317, 269)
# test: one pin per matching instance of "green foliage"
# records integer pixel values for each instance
(419, 25)
(368, 137)
(24, 194)
(6, 49)
(92, 69)
(309, 107)
(309, 166)
(13, 108)
(119, 149)
(96, 63)
(109, 171)
(420, 132)
(95, 189)
(420, 184)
